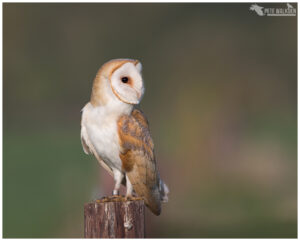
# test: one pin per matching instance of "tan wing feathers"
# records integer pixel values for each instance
(137, 157)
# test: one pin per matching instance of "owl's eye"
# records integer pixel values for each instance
(124, 80)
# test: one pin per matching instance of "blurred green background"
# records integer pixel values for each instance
(221, 99)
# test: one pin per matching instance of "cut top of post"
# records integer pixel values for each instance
(114, 217)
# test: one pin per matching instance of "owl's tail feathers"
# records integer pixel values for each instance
(154, 198)
(152, 201)
(164, 191)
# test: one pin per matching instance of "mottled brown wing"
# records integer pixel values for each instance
(138, 159)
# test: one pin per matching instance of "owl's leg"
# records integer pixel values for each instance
(129, 187)
(118, 176)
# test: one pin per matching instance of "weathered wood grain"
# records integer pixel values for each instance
(114, 218)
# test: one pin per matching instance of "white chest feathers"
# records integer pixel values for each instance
(101, 130)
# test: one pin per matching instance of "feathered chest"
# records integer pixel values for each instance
(102, 131)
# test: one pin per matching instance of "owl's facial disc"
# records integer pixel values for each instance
(127, 83)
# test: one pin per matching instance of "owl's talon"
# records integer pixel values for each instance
(128, 198)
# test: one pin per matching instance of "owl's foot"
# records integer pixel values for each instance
(133, 198)
(118, 199)
(128, 197)
(114, 198)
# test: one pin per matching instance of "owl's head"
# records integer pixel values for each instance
(118, 80)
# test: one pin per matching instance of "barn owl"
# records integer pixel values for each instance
(116, 132)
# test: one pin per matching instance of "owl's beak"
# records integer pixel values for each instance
(140, 93)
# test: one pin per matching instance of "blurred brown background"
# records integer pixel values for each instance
(221, 98)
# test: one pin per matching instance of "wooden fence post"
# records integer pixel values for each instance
(114, 218)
